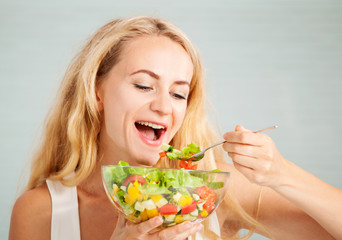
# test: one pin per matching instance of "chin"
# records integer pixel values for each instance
(148, 161)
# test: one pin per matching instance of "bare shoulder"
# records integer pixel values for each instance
(31, 215)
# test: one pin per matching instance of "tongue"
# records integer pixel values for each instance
(146, 131)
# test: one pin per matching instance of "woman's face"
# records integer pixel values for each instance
(144, 99)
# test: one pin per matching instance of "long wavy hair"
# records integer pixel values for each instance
(70, 141)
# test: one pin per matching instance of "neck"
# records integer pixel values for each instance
(93, 184)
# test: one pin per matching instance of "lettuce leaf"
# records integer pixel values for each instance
(186, 152)
(159, 181)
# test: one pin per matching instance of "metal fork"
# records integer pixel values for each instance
(198, 156)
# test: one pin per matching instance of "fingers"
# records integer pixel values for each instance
(243, 149)
(244, 136)
(121, 221)
(148, 230)
(254, 155)
(147, 226)
(250, 174)
(180, 231)
(239, 128)
(244, 161)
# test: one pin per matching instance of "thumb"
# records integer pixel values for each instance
(240, 128)
(121, 221)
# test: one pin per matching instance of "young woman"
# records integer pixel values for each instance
(138, 83)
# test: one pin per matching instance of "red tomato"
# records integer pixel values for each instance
(203, 191)
(211, 198)
(189, 208)
(133, 178)
(187, 165)
(209, 195)
(206, 193)
(162, 154)
(168, 209)
(209, 207)
(183, 164)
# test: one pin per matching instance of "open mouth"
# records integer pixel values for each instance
(150, 130)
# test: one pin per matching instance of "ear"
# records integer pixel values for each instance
(99, 98)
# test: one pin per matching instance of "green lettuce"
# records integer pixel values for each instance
(186, 152)
(159, 181)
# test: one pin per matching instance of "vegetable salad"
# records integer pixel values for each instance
(185, 153)
(175, 194)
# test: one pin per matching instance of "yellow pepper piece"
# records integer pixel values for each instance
(133, 191)
(185, 200)
(129, 200)
(156, 198)
(204, 213)
(115, 188)
(152, 213)
(136, 183)
(179, 219)
(143, 215)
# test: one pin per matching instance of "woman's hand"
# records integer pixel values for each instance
(255, 156)
(126, 230)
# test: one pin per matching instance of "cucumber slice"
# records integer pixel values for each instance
(170, 218)
(148, 204)
(161, 202)
(194, 213)
(137, 213)
(138, 206)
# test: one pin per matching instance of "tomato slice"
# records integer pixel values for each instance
(189, 208)
(209, 207)
(187, 165)
(162, 154)
(209, 195)
(133, 178)
(168, 209)
(211, 198)
(203, 192)
(206, 193)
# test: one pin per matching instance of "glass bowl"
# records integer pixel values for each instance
(177, 195)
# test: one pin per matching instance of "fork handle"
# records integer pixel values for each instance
(257, 131)
(218, 143)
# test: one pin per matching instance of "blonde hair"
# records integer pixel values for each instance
(70, 138)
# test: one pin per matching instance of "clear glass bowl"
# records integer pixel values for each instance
(177, 195)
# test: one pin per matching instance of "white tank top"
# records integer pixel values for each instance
(64, 217)
(65, 223)
(214, 226)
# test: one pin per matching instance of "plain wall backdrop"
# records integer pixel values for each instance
(267, 62)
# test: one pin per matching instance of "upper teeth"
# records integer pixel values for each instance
(152, 125)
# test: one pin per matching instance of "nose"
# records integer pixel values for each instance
(162, 103)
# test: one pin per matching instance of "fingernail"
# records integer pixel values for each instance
(187, 225)
(158, 220)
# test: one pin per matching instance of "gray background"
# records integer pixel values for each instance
(267, 62)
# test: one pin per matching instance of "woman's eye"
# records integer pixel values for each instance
(178, 96)
(142, 87)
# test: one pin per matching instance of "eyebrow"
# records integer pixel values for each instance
(157, 77)
(152, 74)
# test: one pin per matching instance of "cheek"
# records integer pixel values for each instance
(114, 107)
(111, 122)
(179, 117)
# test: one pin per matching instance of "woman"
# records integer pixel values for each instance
(136, 84)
